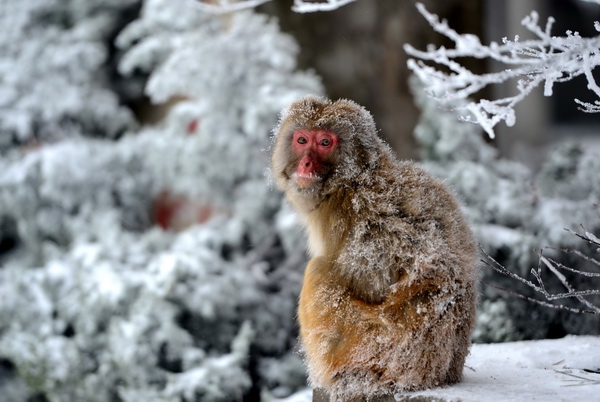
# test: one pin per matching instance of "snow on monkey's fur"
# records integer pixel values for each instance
(388, 300)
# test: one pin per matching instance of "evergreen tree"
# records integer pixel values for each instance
(157, 263)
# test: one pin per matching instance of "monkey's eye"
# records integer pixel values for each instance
(325, 142)
(301, 140)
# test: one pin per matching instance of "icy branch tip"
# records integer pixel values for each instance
(301, 6)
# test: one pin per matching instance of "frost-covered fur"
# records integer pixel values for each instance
(388, 300)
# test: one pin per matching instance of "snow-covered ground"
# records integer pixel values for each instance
(546, 370)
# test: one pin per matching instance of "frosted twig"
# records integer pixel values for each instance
(538, 288)
(554, 267)
(588, 107)
(538, 275)
(578, 379)
(568, 286)
(587, 236)
(576, 271)
(545, 59)
(536, 301)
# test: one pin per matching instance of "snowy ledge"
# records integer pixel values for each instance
(546, 370)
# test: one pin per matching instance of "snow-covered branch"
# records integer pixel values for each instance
(544, 60)
(300, 6)
(228, 6)
(557, 269)
(312, 6)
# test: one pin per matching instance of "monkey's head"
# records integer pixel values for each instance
(320, 145)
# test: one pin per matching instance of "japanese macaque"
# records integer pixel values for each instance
(388, 299)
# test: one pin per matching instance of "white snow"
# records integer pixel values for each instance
(545, 370)
(300, 6)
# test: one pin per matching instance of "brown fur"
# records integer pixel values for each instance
(388, 300)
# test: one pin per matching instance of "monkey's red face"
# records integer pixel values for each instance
(314, 150)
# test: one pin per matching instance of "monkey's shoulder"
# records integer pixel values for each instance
(407, 209)
(405, 189)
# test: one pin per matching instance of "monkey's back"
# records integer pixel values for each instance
(394, 308)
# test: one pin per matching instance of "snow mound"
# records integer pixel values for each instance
(546, 370)
(565, 369)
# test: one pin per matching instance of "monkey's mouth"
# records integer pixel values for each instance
(306, 181)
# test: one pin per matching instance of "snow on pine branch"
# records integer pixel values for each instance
(544, 60)
(300, 6)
